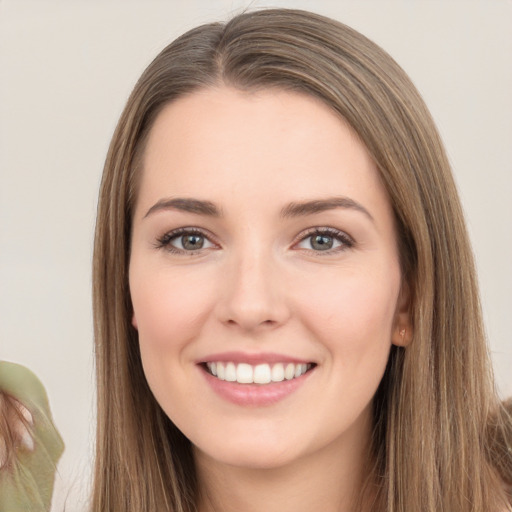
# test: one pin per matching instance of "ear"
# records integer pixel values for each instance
(134, 322)
(402, 333)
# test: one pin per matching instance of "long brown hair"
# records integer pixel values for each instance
(442, 441)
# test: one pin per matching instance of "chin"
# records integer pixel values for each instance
(259, 458)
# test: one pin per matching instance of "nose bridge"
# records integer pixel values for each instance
(253, 295)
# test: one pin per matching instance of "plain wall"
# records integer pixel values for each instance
(66, 69)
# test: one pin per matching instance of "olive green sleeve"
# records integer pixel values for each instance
(26, 482)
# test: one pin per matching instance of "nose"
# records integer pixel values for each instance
(253, 295)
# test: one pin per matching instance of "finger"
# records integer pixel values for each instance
(22, 422)
(3, 452)
(27, 415)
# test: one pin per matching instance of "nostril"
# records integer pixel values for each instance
(251, 324)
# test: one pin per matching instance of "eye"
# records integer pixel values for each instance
(325, 240)
(185, 240)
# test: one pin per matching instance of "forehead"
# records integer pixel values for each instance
(270, 143)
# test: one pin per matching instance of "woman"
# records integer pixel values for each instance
(437, 437)
(183, 204)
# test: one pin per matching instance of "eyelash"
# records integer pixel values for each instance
(346, 241)
(164, 242)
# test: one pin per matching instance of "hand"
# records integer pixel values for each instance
(16, 422)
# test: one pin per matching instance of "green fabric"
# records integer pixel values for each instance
(27, 484)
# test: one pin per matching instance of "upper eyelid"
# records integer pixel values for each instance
(323, 230)
(188, 230)
(166, 238)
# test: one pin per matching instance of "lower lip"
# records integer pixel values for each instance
(255, 395)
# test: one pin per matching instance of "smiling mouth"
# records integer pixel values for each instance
(244, 373)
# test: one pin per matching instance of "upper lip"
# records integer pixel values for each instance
(252, 358)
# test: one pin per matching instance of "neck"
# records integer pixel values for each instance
(328, 480)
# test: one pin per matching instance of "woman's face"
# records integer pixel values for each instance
(263, 251)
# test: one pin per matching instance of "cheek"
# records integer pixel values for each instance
(352, 312)
(169, 309)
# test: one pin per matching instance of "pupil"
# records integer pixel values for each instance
(192, 241)
(322, 242)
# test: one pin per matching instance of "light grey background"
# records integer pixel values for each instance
(66, 69)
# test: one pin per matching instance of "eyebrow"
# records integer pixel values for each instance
(322, 205)
(294, 209)
(196, 206)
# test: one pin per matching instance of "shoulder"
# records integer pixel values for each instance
(21, 383)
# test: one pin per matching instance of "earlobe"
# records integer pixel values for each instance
(402, 330)
(134, 322)
(402, 335)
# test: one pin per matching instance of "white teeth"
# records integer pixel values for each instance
(262, 374)
(289, 372)
(244, 373)
(278, 372)
(230, 372)
(221, 374)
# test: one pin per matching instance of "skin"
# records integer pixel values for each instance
(258, 285)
